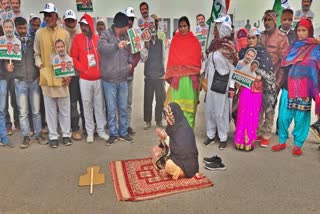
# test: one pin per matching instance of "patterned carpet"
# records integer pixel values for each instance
(137, 180)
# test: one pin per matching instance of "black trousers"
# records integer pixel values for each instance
(11, 92)
(75, 98)
(151, 87)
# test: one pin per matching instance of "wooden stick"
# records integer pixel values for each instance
(10, 61)
(91, 181)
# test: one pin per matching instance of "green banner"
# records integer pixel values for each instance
(243, 79)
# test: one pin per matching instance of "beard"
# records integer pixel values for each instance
(9, 34)
(305, 8)
(61, 54)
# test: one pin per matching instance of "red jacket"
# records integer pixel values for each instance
(81, 48)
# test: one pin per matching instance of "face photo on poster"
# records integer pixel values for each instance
(245, 72)
(84, 5)
(10, 46)
(62, 63)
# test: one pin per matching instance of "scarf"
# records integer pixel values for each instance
(303, 57)
(226, 47)
(184, 59)
(242, 39)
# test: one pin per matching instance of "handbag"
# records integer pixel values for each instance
(219, 82)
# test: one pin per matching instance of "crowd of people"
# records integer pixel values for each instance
(278, 59)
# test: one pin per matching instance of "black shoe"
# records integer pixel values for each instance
(54, 143)
(26, 142)
(223, 145)
(67, 141)
(111, 140)
(213, 159)
(208, 141)
(315, 129)
(214, 166)
(127, 138)
(131, 132)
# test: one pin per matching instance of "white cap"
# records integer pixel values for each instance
(223, 18)
(70, 15)
(129, 11)
(49, 8)
(84, 21)
(100, 19)
(32, 16)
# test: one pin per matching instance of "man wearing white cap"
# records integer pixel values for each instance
(70, 21)
(136, 58)
(100, 26)
(55, 90)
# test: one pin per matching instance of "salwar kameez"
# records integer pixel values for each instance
(248, 117)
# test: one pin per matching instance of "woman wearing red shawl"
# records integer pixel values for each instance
(183, 69)
(302, 65)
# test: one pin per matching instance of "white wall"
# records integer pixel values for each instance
(244, 9)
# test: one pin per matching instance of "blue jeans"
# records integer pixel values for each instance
(116, 99)
(3, 100)
(28, 92)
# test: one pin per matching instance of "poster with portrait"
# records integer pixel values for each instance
(202, 37)
(137, 38)
(10, 48)
(62, 63)
(245, 72)
(84, 5)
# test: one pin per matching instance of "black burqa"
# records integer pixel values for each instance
(183, 149)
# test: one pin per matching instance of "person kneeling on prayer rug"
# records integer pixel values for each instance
(177, 154)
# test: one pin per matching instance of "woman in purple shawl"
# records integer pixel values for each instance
(302, 66)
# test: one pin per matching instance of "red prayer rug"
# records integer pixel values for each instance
(137, 180)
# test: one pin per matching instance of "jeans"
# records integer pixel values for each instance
(116, 99)
(3, 101)
(129, 108)
(28, 94)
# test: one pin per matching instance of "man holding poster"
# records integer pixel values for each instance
(26, 81)
(55, 90)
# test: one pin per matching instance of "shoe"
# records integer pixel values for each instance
(25, 143)
(215, 158)
(90, 139)
(76, 136)
(54, 143)
(160, 124)
(31, 134)
(40, 139)
(223, 145)
(297, 151)
(8, 143)
(45, 130)
(127, 138)
(147, 125)
(111, 140)
(215, 166)
(264, 142)
(67, 141)
(279, 147)
(208, 141)
(315, 129)
(131, 132)
(9, 131)
(103, 136)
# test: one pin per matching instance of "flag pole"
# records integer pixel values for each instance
(209, 26)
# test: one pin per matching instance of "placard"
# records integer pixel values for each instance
(84, 5)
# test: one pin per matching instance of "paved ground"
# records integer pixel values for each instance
(44, 180)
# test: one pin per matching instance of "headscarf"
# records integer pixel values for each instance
(272, 14)
(184, 59)
(307, 24)
(183, 149)
(242, 38)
